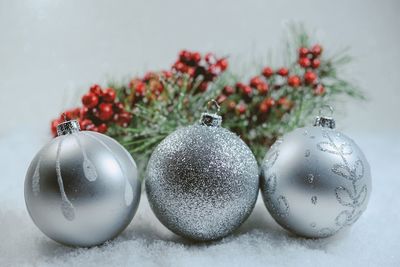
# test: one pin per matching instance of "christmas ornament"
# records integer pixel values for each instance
(315, 180)
(82, 188)
(202, 180)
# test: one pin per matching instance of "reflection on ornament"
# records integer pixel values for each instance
(90, 178)
(128, 189)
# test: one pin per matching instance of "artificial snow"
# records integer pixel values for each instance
(374, 240)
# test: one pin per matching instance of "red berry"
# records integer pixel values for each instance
(203, 86)
(140, 88)
(283, 72)
(157, 87)
(148, 76)
(184, 56)
(191, 71)
(303, 52)
(228, 90)
(196, 57)
(240, 85)
(90, 100)
(305, 62)
(255, 81)
(72, 114)
(102, 128)
(76, 112)
(294, 81)
(263, 88)
(246, 90)
(96, 89)
(267, 72)
(266, 104)
(84, 112)
(319, 89)
(263, 108)
(241, 108)
(282, 101)
(123, 119)
(84, 124)
(310, 77)
(167, 74)
(270, 101)
(109, 95)
(105, 111)
(68, 115)
(214, 70)
(285, 103)
(316, 50)
(315, 63)
(223, 64)
(179, 66)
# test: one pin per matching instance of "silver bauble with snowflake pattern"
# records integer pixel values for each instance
(82, 188)
(202, 180)
(315, 180)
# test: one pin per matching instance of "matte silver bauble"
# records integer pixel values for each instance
(82, 188)
(202, 181)
(315, 180)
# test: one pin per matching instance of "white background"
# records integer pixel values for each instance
(52, 50)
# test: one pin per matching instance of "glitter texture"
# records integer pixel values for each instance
(202, 182)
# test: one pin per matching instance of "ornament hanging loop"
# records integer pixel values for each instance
(326, 107)
(210, 118)
(324, 120)
(213, 104)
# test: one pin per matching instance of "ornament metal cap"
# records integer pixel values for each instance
(211, 119)
(68, 127)
(323, 120)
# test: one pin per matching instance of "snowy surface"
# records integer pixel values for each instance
(373, 241)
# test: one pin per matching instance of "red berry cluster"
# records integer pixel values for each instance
(201, 69)
(150, 86)
(261, 85)
(206, 67)
(309, 60)
(100, 108)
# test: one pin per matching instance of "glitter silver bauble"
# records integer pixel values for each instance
(202, 180)
(82, 188)
(315, 180)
